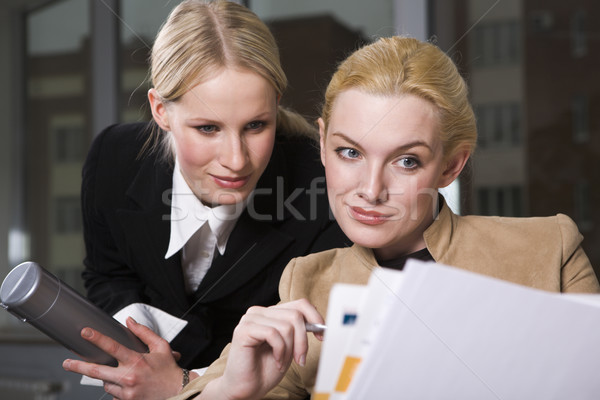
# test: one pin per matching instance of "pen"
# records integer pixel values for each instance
(316, 328)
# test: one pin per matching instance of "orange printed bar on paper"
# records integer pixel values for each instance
(347, 373)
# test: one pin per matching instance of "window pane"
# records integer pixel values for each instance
(57, 133)
(580, 118)
(517, 200)
(515, 124)
(483, 201)
(137, 30)
(315, 35)
(481, 128)
(68, 215)
(578, 34)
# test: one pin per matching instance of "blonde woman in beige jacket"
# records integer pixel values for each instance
(396, 126)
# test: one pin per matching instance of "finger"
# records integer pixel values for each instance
(113, 389)
(301, 311)
(311, 314)
(303, 306)
(319, 335)
(296, 313)
(257, 329)
(109, 345)
(289, 322)
(148, 336)
(300, 337)
(96, 371)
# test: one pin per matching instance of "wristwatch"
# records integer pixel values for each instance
(186, 377)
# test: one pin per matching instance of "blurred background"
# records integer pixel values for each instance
(71, 67)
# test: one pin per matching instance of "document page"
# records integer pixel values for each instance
(453, 334)
(342, 314)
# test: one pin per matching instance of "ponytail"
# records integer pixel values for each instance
(292, 124)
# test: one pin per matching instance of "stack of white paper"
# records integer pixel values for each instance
(437, 332)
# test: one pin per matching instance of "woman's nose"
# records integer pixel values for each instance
(373, 188)
(233, 153)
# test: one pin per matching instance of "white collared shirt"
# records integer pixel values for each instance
(190, 230)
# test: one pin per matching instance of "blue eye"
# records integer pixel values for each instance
(255, 125)
(207, 129)
(408, 163)
(346, 152)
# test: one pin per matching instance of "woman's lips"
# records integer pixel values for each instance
(228, 182)
(367, 217)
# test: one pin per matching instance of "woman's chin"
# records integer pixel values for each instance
(226, 197)
(364, 241)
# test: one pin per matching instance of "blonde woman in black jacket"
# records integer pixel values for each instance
(195, 215)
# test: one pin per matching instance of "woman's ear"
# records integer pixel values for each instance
(454, 166)
(159, 109)
(322, 139)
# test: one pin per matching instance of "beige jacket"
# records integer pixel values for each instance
(543, 253)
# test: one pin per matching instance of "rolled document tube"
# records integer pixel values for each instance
(39, 298)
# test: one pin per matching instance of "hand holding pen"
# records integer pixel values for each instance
(264, 344)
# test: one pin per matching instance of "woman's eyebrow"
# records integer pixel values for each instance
(404, 147)
(346, 138)
(416, 143)
(215, 121)
(201, 121)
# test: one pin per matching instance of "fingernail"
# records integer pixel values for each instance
(66, 364)
(302, 360)
(86, 333)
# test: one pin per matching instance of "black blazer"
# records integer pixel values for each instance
(126, 214)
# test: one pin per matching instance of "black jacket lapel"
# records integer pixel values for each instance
(147, 227)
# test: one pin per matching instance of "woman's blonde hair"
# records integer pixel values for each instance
(401, 65)
(199, 38)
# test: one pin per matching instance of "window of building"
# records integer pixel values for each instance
(495, 43)
(541, 21)
(67, 214)
(137, 35)
(481, 138)
(483, 201)
(69, 143)
(500, 200)
(499, 124)
(514, 124)
(580, 116)
(579, 45)
(583, 209)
